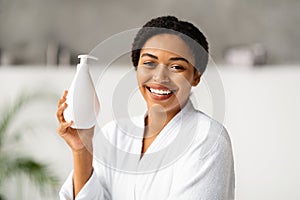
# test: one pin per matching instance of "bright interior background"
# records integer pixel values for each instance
(261, 102)
(262, 117)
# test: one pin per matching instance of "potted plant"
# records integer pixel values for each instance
(14, 164)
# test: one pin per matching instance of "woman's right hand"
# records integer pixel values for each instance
(80, 141)
(77, 139)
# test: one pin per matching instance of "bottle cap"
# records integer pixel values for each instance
(83, 58)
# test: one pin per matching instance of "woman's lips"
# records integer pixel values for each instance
(160, 92)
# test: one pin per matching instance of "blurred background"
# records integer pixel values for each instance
(32, 29)
(255, 45)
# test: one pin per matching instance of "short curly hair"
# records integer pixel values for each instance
(193, 37)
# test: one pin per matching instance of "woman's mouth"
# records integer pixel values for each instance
(160, 93)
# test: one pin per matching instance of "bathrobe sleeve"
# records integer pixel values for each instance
(207, 173)
(96, 188)
(93, 189)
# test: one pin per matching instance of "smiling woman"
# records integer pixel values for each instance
(180, 153)
(165, 78)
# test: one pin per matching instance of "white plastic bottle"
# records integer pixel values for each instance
(83, 103)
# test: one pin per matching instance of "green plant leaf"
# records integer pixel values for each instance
(11, 111)
(38, 173)
(12, 165)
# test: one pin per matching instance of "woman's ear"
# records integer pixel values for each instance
(197, 76)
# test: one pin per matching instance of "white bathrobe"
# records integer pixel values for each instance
(191, 159)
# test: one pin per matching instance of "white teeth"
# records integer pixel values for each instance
(161, 92)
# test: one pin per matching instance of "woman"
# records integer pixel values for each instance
(169, 56)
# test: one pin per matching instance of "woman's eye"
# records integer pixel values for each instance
(177, 67)
(149, 64)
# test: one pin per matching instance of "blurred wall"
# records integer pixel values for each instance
(27, 26)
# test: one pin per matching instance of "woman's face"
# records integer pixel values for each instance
(165, 72)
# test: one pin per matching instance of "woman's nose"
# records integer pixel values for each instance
(161, 74)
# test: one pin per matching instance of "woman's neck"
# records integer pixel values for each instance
(157, 119)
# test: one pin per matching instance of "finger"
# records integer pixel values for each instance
(63, 98)
(61, 101)
(63, 127)
(66, 125)
(65, 93)
(61, 116)
(60, 111)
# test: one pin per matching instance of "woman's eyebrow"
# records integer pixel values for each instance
(171, 59)
(149, 55)
(179, 58)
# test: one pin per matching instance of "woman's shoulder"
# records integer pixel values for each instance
(203, 120)
(210, 134)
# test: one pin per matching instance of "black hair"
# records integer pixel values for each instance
(193, 37)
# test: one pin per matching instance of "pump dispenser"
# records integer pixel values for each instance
(83, 103)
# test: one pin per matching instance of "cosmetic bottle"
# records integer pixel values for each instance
(83, 103)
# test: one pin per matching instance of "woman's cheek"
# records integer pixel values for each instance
(143, 75)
